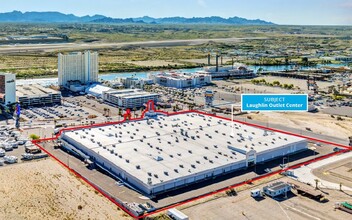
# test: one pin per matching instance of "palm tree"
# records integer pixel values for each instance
(120, 113)
(134, 111)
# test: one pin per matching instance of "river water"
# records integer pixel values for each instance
(112, 76)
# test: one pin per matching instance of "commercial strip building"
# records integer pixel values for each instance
(7, 88)
(129, 98)
(124, 98)
(35, 94)
(181, 80)
(135, 83)
(77, 68)
(156, 155)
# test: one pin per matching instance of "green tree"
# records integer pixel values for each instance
(276, 83)
(34, 137)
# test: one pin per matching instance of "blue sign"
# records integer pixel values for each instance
(18, 109)
(274, 102)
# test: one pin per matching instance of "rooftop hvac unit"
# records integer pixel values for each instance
(215, 146)
(220, 152)
(113, 145)
(112, 151)
(190, 151)
(127, 160)
(166, 173)
(76, 132)
(144, 136)
(205, 157)
(120, 156)
(158, 158)
(138, 167)
(216, 157)
(141, 140)
(210, 161)
(179, 154)
(285, 139)
(193, 166)
(181, 165)
(224, 134)
(149, 174)
(119, 141)
(116, 154)
(176, 170)
(207, 148)
(156, 176)
(104, 147)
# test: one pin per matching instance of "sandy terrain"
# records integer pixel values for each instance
(154, 63)
(317, 122)
(25, 48)
(248, 87)
(46, 190)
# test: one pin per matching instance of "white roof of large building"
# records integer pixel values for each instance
(97, 89)
(171, 147)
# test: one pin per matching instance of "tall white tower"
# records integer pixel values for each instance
(82, 67)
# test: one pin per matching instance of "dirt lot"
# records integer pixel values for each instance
(339, 172)
(318, 122)
(243, 206)
(45, 190)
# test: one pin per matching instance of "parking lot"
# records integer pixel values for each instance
(12, 147)
(66, 111)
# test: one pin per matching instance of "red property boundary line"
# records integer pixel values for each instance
(150, 106)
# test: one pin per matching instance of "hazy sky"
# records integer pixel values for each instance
(323, 12)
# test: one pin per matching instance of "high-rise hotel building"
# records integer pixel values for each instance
(7, 88)
(78, 67)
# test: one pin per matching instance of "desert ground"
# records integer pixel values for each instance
(46, 190)
(318, 122)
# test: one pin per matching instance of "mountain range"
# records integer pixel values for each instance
(52, 17)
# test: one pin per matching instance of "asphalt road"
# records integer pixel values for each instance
(25, 48)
